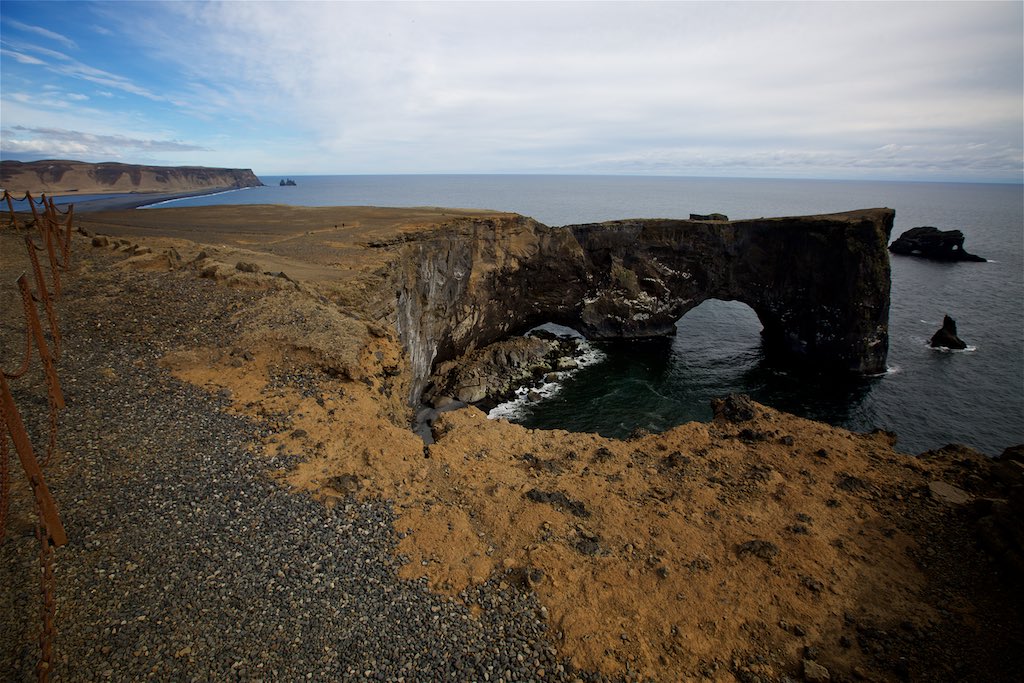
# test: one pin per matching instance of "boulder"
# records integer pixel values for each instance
(932, 243)
(946, 337)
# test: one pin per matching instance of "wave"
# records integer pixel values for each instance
(519, 407)
(205, 194)
(943, 349)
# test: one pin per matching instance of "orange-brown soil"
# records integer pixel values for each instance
(743, 549)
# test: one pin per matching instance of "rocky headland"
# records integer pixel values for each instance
(59, 177)
(760, 546)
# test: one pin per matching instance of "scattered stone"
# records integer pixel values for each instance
(850, 483)
(345, 483)
(812, 584)
(1015, 453)
(752, 436)
(542, 464)
(766, 550)
(947, 493)
(815, 673)
(558, 499)
(733, 408)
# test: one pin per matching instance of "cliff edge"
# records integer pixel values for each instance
(65, 177)
(760, 546)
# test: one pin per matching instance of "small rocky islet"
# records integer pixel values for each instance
(931, 243)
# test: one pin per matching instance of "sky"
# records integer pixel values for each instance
(928, 91)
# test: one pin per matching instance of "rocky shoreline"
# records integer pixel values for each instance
(237, 457)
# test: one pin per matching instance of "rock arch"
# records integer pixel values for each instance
(819, 284)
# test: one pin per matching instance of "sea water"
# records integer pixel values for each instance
(928, 397)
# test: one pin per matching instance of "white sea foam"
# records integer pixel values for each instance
(180, 199)
(943, 349)
(519, 407)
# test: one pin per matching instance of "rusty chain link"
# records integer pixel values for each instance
(5, 474)
(28, 353)
(51, 445)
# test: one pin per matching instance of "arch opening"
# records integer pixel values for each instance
(656, 383)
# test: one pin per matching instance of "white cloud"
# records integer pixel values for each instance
(21, 57)
(62, 143)
(44, 32)
(630, 87)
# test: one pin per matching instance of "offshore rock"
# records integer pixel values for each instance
(819, 284)
(932, 243)
(947, 337)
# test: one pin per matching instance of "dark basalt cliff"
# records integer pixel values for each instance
(819, 284)
(59, 176)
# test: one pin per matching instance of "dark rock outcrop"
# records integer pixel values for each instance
(492, 374)
(932, 243)
(947, 337)
(819, 284)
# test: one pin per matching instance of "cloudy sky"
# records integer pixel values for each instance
(918, 91)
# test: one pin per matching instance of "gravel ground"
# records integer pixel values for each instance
(185, 561)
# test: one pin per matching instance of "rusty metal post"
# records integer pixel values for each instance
(44, 294)
(44, 350)
(16, 428)
(67, 236)
(10, 207)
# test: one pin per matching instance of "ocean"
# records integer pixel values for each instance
(928, 398)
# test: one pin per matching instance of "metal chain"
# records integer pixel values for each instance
(48, 605)
(28, 349)
(5, 475)
(51, 446)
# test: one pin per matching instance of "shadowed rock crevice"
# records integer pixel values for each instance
(819, 284)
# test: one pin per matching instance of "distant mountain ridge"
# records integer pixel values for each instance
(63, 176)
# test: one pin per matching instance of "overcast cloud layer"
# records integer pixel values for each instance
(924, 91)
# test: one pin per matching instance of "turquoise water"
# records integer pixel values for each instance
(929, 398)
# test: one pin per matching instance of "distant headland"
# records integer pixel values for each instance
(68, 177)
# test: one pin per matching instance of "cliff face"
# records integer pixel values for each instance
(55, 176)
(475, 281)
(819, 284)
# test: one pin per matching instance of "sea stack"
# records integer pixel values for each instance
(946, 337)
(932, 243)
